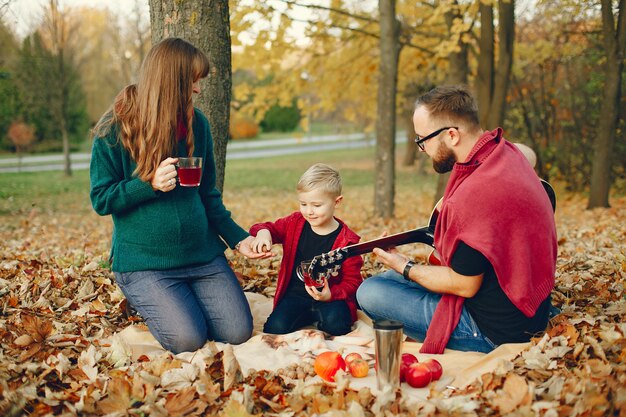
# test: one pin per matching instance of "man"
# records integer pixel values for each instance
(495, 237)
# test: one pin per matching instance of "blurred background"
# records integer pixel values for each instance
(308, 68)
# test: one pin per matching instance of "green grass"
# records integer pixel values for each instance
(53, 192)
(48, 191)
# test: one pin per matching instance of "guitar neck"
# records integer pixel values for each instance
(420, 235)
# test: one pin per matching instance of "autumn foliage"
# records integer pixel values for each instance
(21, 135)
(243, 128)
(59, 303)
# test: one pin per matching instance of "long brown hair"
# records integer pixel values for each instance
(147, 114)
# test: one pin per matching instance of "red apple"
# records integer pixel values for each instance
(327, 364)
(418, 375)
(435, 367)
(352, 356)
(407, 360)
(358, 368)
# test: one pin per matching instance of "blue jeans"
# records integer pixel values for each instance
(294, 312)
(390, 296)
(185, 307)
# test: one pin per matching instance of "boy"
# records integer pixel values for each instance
(305, 234)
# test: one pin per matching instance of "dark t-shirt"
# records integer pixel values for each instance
(496, 316)
(309, 246)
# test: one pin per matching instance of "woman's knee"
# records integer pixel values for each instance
(184, 341)
(238, 334)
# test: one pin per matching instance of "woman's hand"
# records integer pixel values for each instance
(319, 295)
(164, 178)
(245, 248)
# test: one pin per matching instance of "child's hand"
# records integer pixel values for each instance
(262, 242)
(245, 248)
(319, 295)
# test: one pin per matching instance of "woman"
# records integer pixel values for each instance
(167, 248)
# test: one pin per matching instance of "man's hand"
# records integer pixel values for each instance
(391, 259)
(245, 248)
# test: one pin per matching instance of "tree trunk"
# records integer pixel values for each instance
(486, 58)
(409, 96)
(457, 74)
(206, 24)
(614, 43)
(506, 38)
(384, 192)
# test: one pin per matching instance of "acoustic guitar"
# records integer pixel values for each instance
(315, 271)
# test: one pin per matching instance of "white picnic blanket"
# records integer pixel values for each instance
(273, 352)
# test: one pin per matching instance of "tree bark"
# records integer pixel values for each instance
(506, 38)
(457, 74)
(206, 24)
(486, 58)
(614, 44)
(409, 96)
(384, 192)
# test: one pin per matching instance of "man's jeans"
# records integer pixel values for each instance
(390, 296)
(185, 307)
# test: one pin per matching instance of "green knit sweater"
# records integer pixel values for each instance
(154, 230)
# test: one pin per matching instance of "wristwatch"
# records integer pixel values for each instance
(407, 269)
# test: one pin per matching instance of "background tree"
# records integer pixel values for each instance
(56, 31)
(206, 24)
(10, 105)
(493, 78)
(22, 136)
(384, 191)
(614, 37)
(41, 96)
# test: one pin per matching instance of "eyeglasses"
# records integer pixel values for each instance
(420, 140)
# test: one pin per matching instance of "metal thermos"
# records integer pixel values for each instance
(388, 349)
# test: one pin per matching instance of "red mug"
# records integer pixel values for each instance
(189, 171)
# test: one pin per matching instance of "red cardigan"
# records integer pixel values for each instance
(495, 203)
(287, 231)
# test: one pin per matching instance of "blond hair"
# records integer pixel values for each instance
(147, 114)
(320, 176)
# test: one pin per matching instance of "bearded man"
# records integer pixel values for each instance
(495, 237)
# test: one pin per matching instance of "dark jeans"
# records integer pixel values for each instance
(294, 312)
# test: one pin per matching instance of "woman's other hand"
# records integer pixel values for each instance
(245, 248)
(164, 178)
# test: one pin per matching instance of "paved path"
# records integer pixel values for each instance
(235, 150)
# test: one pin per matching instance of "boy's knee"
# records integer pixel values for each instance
(335, 328)
(276, 327)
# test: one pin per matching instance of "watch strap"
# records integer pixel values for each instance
(407, 269)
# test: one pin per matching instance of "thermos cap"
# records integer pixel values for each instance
(388, 325)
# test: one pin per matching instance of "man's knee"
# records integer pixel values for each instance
(368, 294)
